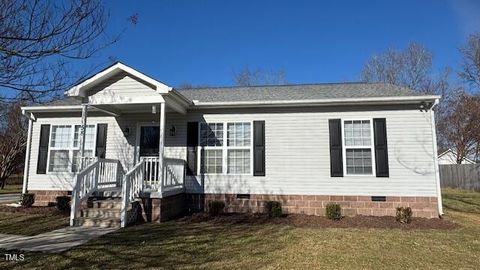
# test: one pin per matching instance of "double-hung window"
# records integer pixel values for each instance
(358, 143)
(238, 148)
(64, 147)
(226, 148)
(211, 141)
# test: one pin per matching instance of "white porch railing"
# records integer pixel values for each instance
(133, 183)
(173, 173)
(101, 173)
(145, 175)
(85, 184)
(85, 161)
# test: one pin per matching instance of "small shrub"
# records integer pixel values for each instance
(273, 208)
(404, 214)
(216, 208)
(27, 199)
(63, 203)
(334, 211)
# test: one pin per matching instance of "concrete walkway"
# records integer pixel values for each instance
(54, 241)
(10, 197)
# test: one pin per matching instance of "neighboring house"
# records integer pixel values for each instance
(369, 147)
(450, 157)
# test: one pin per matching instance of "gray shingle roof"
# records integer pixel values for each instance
(296, 92)
(280, 93)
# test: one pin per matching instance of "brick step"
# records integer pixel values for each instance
(98, 222)
(105, 203)
(100, 213)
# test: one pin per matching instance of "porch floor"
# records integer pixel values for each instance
(116, 192)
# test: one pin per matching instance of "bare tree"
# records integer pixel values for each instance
(461, 125)
(247, 77)
(12, 141)
(470, 72)
(410, 68)
(40, 39)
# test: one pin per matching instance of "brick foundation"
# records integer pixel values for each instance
(47, 197)
(315, 204)
(163, 209)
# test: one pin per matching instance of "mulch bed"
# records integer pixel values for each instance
(35, 210)
(306, 221)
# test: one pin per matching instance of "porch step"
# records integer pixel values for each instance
(108, 203)
(98, 222)
(114, 192)
(100, 213)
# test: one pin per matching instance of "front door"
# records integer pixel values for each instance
(149, 141)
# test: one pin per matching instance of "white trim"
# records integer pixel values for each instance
(224, 147)
(316, 102)
(112, 70)
(435, 160)
(27, 155)
(344, 147)
(161, 146)
(244, 104)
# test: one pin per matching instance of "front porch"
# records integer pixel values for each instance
(143, 176)
(123, 93)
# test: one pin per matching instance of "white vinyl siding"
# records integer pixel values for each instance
(121, 88)
(297, 155)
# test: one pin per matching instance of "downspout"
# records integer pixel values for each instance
(26, 168)
(435, 159)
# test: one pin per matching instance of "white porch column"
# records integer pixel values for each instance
(161, 146)
(27, 155)
(82, 134)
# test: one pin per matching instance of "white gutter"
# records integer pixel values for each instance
(435, 159)
(316, 102)
(52, 108)
(26, 167)
(278, 103)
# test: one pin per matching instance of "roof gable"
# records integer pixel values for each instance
(81, 89)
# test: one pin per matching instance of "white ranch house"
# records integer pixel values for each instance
(126, 146)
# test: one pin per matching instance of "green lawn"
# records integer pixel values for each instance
(11, 188)
(32, 223)
(209, 245)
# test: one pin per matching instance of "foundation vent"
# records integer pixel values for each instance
(243, 196)
(379, 198)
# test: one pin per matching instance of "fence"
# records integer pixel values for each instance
(463, 176)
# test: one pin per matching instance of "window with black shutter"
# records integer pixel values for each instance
(43, 149)
(336, 159)
(381, 150)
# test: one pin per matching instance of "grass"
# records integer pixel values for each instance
(31, 223)
(11, 188)
(210, 245)
(461, 200)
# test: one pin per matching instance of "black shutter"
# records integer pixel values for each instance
(43, 149)
(101, 144)
(259, 148)
(381, 151)
(192, 143)
(336, 160)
